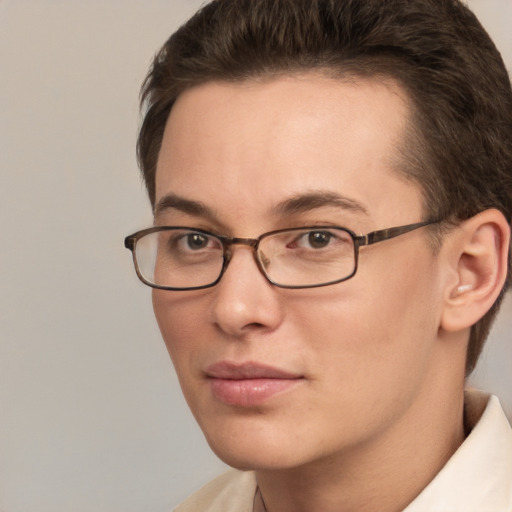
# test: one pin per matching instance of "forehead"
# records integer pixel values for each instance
(251, 144)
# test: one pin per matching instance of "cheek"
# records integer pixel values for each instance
(401, 284)
(181, 319)
(375, 330)
(178, 320)
(369, 354)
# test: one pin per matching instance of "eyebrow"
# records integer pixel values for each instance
(302, 203)
(299, 203)
(173, 201)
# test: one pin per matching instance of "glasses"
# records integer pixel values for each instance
(184, 258)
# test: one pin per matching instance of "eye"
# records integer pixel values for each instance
(314, 240)
(196, 241)
(192, 242)
(319, 239)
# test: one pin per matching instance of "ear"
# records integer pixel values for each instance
(478, 252)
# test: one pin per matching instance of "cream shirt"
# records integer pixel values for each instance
(477, 478)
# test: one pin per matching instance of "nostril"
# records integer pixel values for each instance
(254, 325)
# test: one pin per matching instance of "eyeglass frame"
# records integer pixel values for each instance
(227, 242)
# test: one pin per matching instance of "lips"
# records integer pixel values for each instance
(248, 384)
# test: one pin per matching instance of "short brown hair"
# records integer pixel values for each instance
(459, 148)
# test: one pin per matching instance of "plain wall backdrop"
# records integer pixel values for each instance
(91, 415)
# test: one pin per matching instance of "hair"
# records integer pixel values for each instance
(459, 145)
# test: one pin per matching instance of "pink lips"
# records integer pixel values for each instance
(248, 384)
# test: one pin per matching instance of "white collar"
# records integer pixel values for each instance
(478, 477)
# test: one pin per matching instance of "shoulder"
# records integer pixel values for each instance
(232, 491)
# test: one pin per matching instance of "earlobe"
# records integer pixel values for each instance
(479, 253)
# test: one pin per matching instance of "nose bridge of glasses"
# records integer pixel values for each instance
(252, 243)
(228, 244)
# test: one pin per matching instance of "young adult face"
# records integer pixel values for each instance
(334, 369)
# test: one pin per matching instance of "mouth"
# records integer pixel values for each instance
(248, 384)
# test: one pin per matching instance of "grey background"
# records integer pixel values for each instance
(91, 417)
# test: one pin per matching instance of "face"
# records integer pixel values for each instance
(279, 378)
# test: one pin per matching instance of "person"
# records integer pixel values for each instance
(331, 183)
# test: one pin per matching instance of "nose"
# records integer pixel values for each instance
(244, 301)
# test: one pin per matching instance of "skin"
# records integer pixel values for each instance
(377, 408)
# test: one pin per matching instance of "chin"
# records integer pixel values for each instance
(258, 458)
(256, 448)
